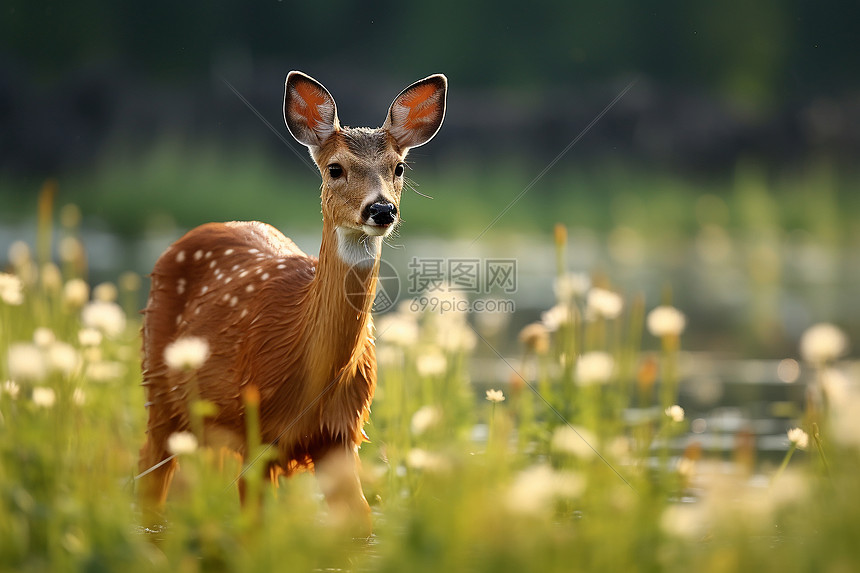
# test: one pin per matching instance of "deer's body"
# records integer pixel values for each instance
(295, 327)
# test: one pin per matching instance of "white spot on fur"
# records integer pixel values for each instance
(227, 280)
(226, 297)
(249, 288)
(253, 251)
(243, 274)
(259, 270)
(228, 252)
(178, 319)
(198, 254)
(212, 265)
(208, 254)
(197, 310)
(235, 268)
(205, 289)
(357, 249)
(281, 267)
(180, 257)
(180, 286)
(265, 277)
(244, 313)
(234, 300)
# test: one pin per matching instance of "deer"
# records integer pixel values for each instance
(293, 328)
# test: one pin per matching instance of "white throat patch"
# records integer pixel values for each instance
(357, 249)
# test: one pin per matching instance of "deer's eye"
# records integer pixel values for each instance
(399, 169)
(335, 171)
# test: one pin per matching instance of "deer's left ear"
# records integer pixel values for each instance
(417, 113)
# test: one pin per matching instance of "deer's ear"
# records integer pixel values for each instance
(309, 110)
(417, 113)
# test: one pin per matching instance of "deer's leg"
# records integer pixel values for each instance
(336, 468)
(154, 481)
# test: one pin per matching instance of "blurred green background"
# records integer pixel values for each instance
(727, 168)
(699, 154)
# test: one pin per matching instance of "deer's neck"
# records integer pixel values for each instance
(340, 299)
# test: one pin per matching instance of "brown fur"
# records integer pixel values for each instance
(280, 320)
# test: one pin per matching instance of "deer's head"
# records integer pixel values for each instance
(362, 169)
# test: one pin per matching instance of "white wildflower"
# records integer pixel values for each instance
(570, 285)
(619, 447)
(11, 289)
(397, 329)
(105, 371)
(108, 317)
(666, 321)
(675, 412)
(76, 293)
(89, 337)
(19, 254)
(495, 396)
(535, 338)
(603, 303)
(427, 461)
(188, 353)
(105, 292)
(25, 362)
(44, 337)
(70, 249)
(556, 316)
(535, 489)
(836, 386)
(822, 343)
(63, 357)
(180, 443)
(11, 388)
(686, 520)
(425, 418)
(845, 420)
(594, 368)
(432, 363)
(455, 335)
(52, 278)
(799, 438)
(44, 397)
(576, 441)
(388, 355)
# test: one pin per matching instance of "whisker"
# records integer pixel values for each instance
(413, 186)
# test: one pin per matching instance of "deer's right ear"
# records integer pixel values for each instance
(309, 110)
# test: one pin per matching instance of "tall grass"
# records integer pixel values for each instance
(571, 470)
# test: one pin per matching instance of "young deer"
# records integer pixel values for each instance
(279, 320)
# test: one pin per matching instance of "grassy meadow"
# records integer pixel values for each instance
(565, 463)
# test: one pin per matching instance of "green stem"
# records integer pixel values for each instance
(784, 463)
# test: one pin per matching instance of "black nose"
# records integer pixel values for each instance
(382, 213)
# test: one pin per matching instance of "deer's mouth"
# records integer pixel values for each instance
(374, 229)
